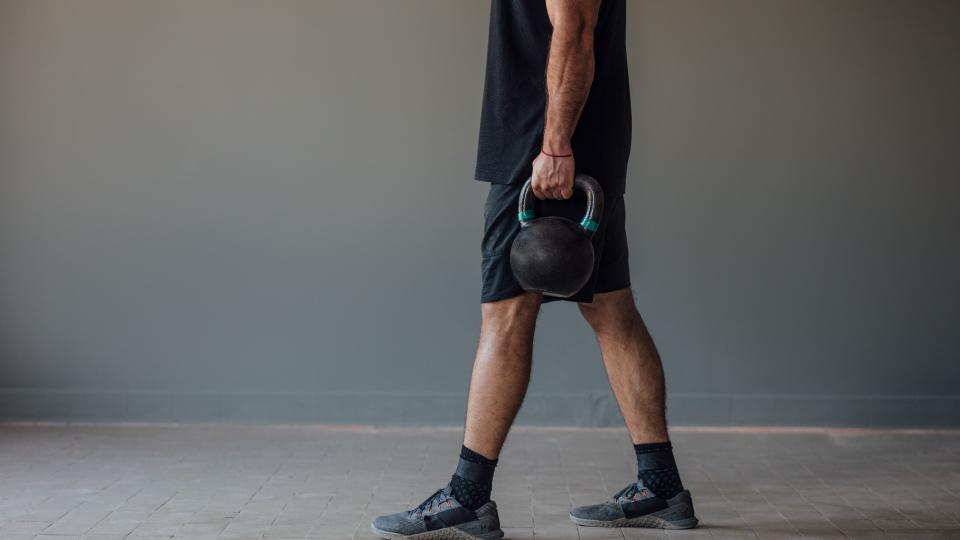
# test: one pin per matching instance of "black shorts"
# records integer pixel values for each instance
(611, 268)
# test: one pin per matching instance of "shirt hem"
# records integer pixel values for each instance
(494, 176)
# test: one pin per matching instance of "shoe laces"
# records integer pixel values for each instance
(435, 500)
(631, 492)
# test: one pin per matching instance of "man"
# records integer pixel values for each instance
(556, 100)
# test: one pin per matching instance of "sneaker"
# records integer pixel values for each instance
(637, 506)
(441, 517)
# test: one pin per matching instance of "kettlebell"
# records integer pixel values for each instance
(552, 254)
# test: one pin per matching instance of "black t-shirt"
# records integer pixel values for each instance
(515, 96)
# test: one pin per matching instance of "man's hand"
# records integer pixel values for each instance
(553, 177)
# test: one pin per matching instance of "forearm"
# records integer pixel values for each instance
(570, 67)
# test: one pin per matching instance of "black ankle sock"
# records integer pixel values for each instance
(472, 482)
(657, 470)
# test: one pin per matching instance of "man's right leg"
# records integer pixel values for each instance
(501, 372)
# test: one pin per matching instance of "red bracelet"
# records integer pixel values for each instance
(544, 152)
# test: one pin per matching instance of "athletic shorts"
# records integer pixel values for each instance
(611, 269)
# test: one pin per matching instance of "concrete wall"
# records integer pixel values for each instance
(237, 210)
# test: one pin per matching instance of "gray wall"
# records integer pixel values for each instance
(262, 210)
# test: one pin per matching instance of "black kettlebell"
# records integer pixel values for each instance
(553, 255)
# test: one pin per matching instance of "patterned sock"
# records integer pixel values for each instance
(657, 470)
(473, 480)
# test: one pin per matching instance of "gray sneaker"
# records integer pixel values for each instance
(441, 517)
(637, 506)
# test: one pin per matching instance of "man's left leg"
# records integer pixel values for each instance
(657, 498)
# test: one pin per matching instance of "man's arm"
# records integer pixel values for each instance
(570, 67)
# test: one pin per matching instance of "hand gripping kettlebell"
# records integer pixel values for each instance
(552, 254)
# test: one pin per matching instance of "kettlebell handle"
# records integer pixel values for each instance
(588, 184)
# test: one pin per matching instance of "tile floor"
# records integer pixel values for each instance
(260, 482)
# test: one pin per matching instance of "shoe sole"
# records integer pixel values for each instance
(447, 533)
(647, 522)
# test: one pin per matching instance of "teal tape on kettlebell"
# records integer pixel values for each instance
(527, 215)
(590, 225)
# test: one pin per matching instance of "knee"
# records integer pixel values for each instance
(522, 309)
(610, 311)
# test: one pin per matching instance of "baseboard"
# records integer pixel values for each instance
(586, 409)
